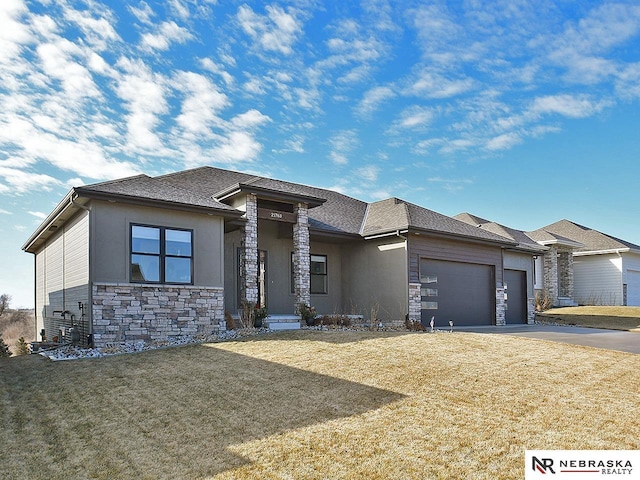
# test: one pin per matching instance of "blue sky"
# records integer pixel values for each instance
(522, 112)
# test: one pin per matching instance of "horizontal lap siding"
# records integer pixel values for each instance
(597, 279)
(421, 246)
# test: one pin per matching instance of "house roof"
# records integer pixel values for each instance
(397, 214)
(330, 212)
(141, 189)
(523, 240)
(591, 240)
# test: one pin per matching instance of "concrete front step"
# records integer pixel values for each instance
(283, 322)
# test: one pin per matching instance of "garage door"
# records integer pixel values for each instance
(462, 292)
(633, 287)
(516, 293)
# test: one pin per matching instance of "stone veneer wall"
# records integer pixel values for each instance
(501, 317)
(550, 274)
(531, 310)
(154, 313)
(301, 257)
(415, 302)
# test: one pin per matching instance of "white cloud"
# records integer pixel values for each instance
(504, 141)
(415, 117)
(236, 147)
(369, 173)
(213, 67)
(373, 98)
(143, 12)
(250, 119)
(5, 212)
(39, 215)
(433, 85)
(166, 34)
(275, 32)
(98, 32)
(202, 104)
(23, 181)
(567, 105)
(145, 95)
(342, 144)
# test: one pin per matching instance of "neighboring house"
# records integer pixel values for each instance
(606, 270)
(154, 258)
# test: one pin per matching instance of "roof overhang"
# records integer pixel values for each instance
(616, 251)
(561, 243)
(506, 243)
(267, 194)
(77, 199)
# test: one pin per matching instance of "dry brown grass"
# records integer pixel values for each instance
(609, 317)
(15, 324)
(316, 404)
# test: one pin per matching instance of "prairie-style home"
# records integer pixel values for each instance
(150, 258)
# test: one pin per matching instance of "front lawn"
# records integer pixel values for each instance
(313, 404)
(612, 318)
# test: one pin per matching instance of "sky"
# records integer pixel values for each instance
(520, 112)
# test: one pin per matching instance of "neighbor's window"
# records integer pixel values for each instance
(161, 255)
(318, 273)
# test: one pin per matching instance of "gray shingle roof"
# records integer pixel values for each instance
(144, 188)
(593, 240)
(396, 214)
(523, 240)
(338, 214)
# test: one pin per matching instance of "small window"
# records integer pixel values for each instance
(318, 273)
(161, 255)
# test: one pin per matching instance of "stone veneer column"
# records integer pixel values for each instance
(565, 274)
(301, 257)
(550, 274)
(501, 317)
(415, 302)
(249, 254)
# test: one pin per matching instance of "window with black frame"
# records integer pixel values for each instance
(318, 272)
(161, 255)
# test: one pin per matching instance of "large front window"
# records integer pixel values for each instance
(161, 255)
(318, 274)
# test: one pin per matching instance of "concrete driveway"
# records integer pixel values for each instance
(589, 337)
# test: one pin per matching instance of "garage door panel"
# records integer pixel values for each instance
(633, 287)
(462, 292)
(516, 304)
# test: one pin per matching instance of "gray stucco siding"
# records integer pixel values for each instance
(111, 240)
(375, 277)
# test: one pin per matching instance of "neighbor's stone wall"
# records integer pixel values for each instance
(550, 274)
(565, 274)
(501, 318)
(153, 313)
(415, 302)
(301, 257)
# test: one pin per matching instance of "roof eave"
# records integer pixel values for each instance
(145, 201)
(239, 188)
(65, 204)
(603, 252)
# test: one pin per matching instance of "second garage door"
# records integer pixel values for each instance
(462, 292)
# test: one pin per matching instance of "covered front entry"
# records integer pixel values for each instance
(515, 282)
(462, 292)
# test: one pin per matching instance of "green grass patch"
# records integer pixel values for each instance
(314, 404)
